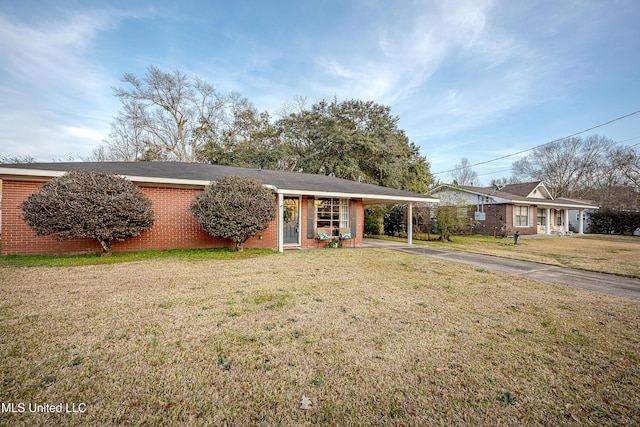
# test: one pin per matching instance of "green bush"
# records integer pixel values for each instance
(373, 219)
(394, 220)
(611, 221)
(235, 208)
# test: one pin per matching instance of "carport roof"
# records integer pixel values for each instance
(200, 174)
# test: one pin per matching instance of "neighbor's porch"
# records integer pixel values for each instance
(556, 220)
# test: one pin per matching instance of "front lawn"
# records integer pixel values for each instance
(371, 337)
(593, 252)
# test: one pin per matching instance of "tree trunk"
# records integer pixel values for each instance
(106, 247)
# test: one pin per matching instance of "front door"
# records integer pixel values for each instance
(291, 217)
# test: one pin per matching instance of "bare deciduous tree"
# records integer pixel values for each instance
(463, 174)
(164, 116)
(593, 167)
(17, 159)
(566, 166)
(628, 161)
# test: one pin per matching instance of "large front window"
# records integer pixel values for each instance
(332, 214)
(522, 216)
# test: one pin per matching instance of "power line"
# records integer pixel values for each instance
(542, 145)
(510, 168)
(630, 139)
(491, 173)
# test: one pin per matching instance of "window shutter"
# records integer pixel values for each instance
(354, 218)
(311, 219)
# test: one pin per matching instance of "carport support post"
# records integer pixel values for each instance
(280, 223)
(410, 223)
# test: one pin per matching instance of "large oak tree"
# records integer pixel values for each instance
(164, 116)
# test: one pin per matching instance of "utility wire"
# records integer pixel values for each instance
(630, 139)
(491, 173)
(542, 145)
(510, 168)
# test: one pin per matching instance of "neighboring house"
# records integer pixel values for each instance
(311, 203)
(528, 208)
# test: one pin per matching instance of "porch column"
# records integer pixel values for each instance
(280, 223)
(547, 225)
(566, 220)
(580, 221)
(410, 223)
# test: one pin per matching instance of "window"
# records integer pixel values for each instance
(332, 213)
(559, 217)
(542, 217)
(522, 216)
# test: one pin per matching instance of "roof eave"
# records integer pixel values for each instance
(367, 198)
(37, 174)
(561, 205)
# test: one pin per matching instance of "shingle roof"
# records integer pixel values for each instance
(191, 172)
(519, 192)
(522, 189)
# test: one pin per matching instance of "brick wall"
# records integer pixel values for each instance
(175, 227)
(499, 220)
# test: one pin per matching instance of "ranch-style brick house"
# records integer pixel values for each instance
(527, 207)
(312, 209)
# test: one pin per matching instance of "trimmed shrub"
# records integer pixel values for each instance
(86, 204)
(235, 208)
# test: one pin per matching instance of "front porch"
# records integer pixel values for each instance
(555, 221)
(317, 219)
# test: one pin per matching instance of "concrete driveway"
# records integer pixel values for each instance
(598, 282)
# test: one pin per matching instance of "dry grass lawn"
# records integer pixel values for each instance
(372, 337)
(606, 254)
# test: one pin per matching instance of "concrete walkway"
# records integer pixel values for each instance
(598, 282)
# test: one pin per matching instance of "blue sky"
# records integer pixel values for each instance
(476, 79)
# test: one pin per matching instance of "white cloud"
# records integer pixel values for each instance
(411, 48)
(85, 134)
(52, 52)
(58, 97)
(446, 66)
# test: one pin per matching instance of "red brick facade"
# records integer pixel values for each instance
(500, 219)
(175, 227)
